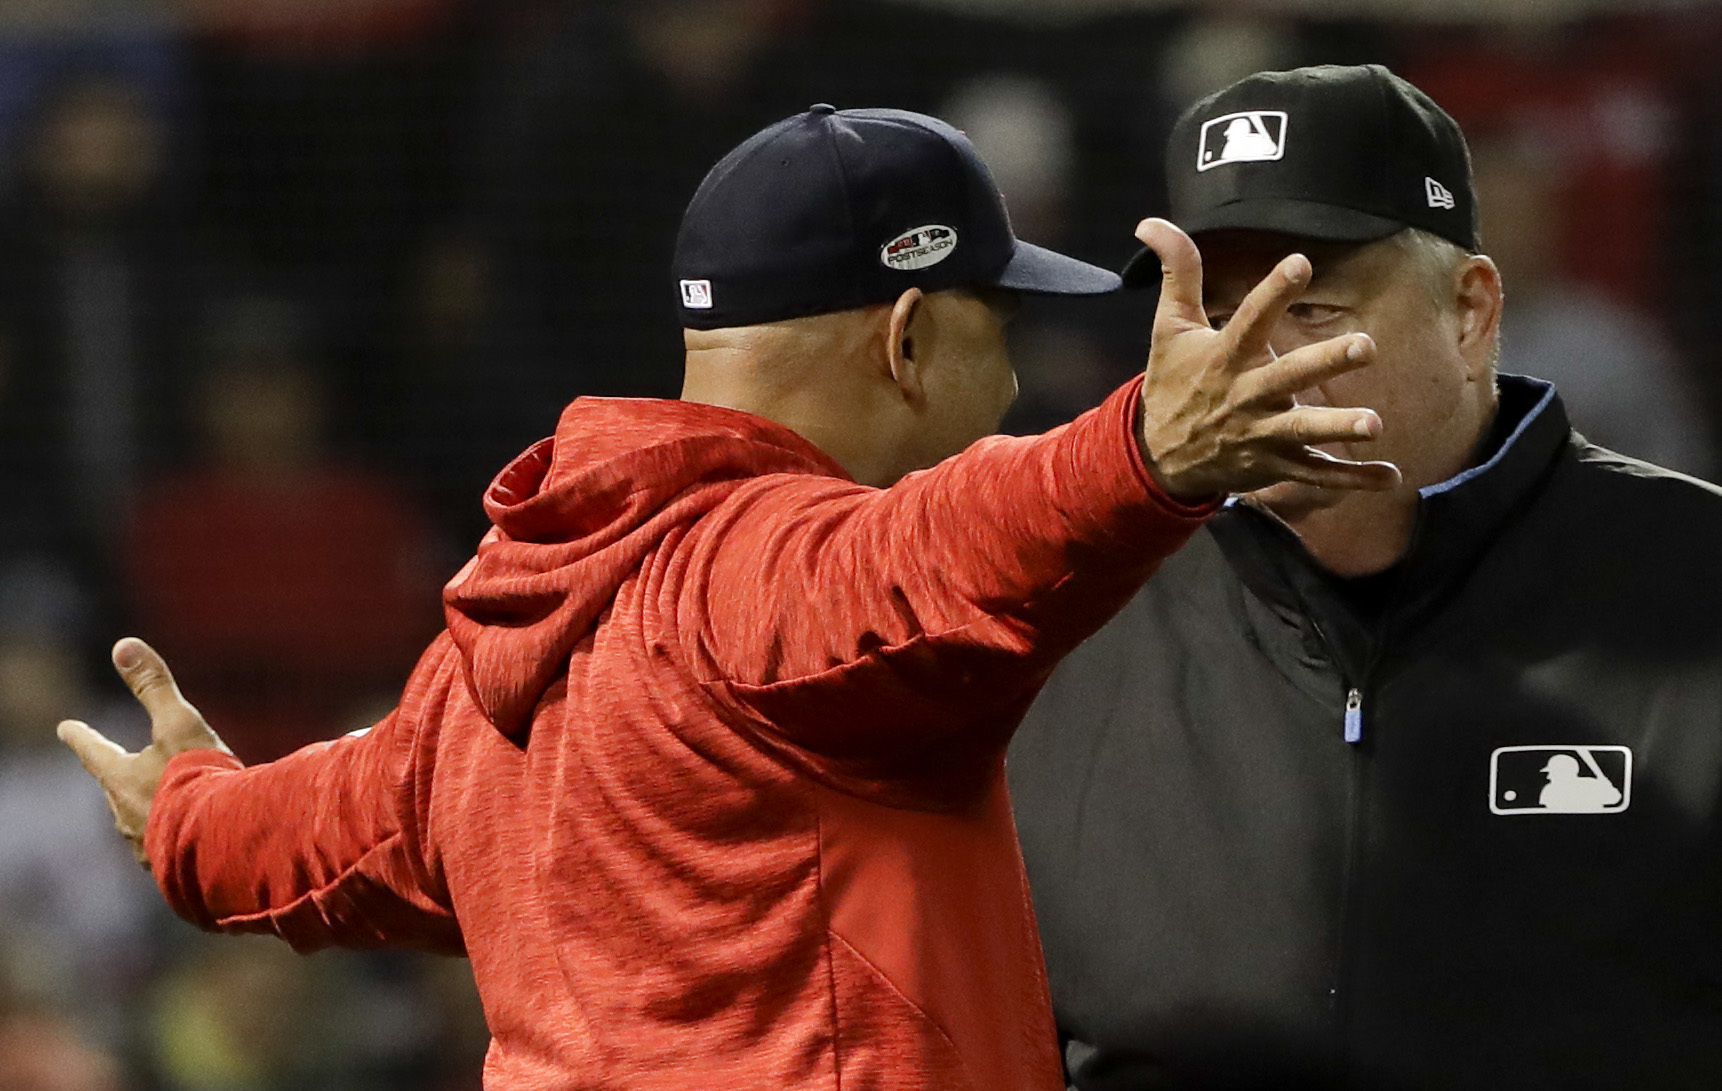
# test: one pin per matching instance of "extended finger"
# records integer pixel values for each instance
(145, 671)
(1252, 324)
(1313, 425)
(1311, 365)
(99, 754)
(1312, 467)
(1181, 269)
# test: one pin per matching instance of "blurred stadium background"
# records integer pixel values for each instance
(283, 282)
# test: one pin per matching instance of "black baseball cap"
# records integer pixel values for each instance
(1341, 153)
(834, 209)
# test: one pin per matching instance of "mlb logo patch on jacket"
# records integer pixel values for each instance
(1560, 779)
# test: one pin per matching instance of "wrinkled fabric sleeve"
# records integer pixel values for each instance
(324, 847)
(888, 628)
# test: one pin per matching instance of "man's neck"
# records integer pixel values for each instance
(838, 423)
(1363, 534)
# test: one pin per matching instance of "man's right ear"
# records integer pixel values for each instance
(900, 335)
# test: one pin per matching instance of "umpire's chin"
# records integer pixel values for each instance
(1293, 501)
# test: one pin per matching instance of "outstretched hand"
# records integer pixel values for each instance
(1219, 409)
(130, 780)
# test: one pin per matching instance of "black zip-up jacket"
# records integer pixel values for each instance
(1510, 880)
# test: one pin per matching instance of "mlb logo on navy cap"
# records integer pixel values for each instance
(1526, 780)
(697, 295)
(1253, 136)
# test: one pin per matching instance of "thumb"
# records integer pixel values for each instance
(99, 754)
(174, 723)
(1181, 267)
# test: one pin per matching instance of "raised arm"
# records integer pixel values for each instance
(882, 625)
(345, 864)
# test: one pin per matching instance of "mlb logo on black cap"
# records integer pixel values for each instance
(1252, 136)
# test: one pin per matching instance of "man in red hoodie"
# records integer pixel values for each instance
(706, 774)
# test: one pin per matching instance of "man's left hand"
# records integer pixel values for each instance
(130, 780)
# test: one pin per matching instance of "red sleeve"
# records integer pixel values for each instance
(894, 629)
(325, 847)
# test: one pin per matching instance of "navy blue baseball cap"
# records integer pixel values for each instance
(835, 209)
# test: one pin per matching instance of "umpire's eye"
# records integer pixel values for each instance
(1313, 314)
(1218, 319)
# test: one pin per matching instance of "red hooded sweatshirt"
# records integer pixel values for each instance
(706, 774)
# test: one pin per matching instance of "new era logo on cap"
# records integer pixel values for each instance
(1253, 136)
(1439, 195)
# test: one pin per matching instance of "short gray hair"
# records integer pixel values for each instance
(1435, 259)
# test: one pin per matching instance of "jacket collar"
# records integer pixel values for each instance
(1457, 520)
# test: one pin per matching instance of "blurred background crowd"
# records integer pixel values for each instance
(283, 282)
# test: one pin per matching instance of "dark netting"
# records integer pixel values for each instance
(284, 282)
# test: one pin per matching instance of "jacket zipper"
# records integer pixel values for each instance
(1340, 988)
(1339, 983)
(1352, 729)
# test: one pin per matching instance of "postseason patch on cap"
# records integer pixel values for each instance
(1253, 136)
(919, 248)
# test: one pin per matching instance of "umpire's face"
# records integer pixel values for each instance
(1433, 314)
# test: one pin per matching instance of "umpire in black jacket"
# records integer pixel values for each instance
(1408, 790)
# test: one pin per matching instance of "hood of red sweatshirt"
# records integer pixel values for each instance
(574, 517)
